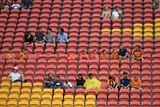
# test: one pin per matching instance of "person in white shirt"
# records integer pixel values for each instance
(15, 5)
(15, 76)
(67, 84)
(116, 14)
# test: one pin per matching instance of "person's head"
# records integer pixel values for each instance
(135, 78)
(15, 1)
(10, 50)
(113, 75)
(105, 8)
(103, 51)
(50, 75)
(121, 46)
(83, 52)
(15, 69)
(116, 8)
(57, 78)
(39, 29)
(66, 80)
(110, 77)
(80, 76)
(94, 51)
(114, 51)
(49, 30)
(61, 30)
(137, 47)
(125, 75)
(90, 76)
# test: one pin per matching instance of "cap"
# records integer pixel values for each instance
(16, 68)
(90, 74)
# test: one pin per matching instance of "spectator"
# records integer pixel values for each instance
(106, 14)
(79, 81)
(50, 36)
(103, 55)
(62, 37)
(137, 53)
(22, 55)
(49, 81)
(112, 81)
(156, 4)
(114, 54)
(92, 83)
(83, 55)
(125, 81)
(58, 83)
(10, 55)
(27, 4)
(136, 83)
(67, 84)
(122, 53)
(6, 5)
(116, 14)
(28, 38)
(72, 56)
(15, 76)
(15, 5)
(39, 37)
(94, 55)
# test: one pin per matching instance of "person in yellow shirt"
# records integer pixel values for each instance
(136, 83)
(22, 55)
(103, 55)
(114, 54)
(112, 81)
(10, 55)
(92, 83)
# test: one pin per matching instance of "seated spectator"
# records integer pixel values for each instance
(15, 5)
(156, 4)
(106, 14)
(136, 83)
(10, 55)
(94, 55)
(6, 5)
(114, 54)
(137, 53)
(58, 83)
(15, 76)
(83, 55)
(62, 37)
(67, 84)
(50, 36)
(112, 82)
(27, 4)
(122, 53)
(72, 56)
(79, 81)
(49, 81)
(116, 14)
(28, 38)
(92, 83)
(39, 36)
(22, 55)
(125, 81)
(103, 55)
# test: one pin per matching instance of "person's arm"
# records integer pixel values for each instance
(66, 38)
(70, 85)
(22, 77)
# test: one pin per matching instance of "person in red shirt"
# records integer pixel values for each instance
(94, 55)
(83, 55)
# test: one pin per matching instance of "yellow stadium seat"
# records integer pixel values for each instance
(6, 79)
(148, 35)
(58, 92)
(57, 97)
(34, 103)
(13, 97)
(25, 97)
(147, 30)
(79, 104)
(157, 20)
(4, 91)
(79, 97)
(3, 103)
(16, 85)
(36, 97)
(157, 35)
(68, 98)
(148, 26)
(157, 26)
(106, 31)
(127, 31)
(5, 85)
(15, 91)
(3, 97)
(116, 31)
(47, 97)
(137, 30)
(23, 103)
(38, 85)
(26, 90)
(47, 91)
(12, 104)
(137, 26)
(90, 104)
(27, 85)
(137, 35)
(91, 98)
(36, 91)
(45, 103)
(68, 104)
(57, 104)
(157, 30)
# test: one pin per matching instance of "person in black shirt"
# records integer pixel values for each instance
(122, 53)
(39, 36)
(28, 38)
(49, 82)
(79, 81)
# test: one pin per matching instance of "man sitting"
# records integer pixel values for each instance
(15, 5)
(94, 55)
(67, 84)
(62, 37)
(83, 55)
(103, 55)
(114, 54)
(39, 36)
(125, 81)
(22, 55)
(27, 4)
(10, 55)
(137, 53)
(122, 53)
(58, 83)
(136, 83)
(49, 81)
